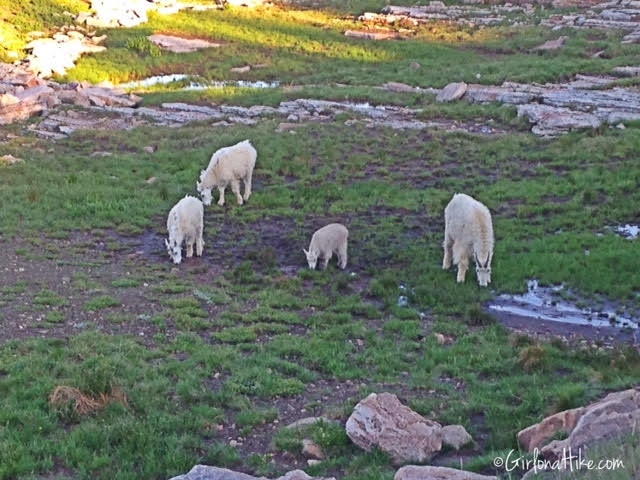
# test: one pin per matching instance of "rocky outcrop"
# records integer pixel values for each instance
(611, 15)
(203, 472)
(412, 472)
(25, 95)
(615, 415)
(437, 10)
(58, 124)
(180, 45)
(554, 109)
(381, 421)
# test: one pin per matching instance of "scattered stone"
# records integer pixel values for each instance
(627, 71)
(312, 461)
(373, 34)
(247, 3)
(204, 472)
(286, 127)
(181, 45)
(412, 472)
(451, 92)
(615, 415)
(10, 160)
(310, 449)
(441, 338)
(414, 65)
(455, 436)
(380, 420)
(307, 421)
(149, 149)
(551, 44)
(438, 11)
(244, 69)
(399, 87)
(151, 180)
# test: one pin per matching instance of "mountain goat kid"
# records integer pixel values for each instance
(227, 166)
(468, 231)
(185, 224)
(325, 242)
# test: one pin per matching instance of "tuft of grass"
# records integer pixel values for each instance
(101, 302)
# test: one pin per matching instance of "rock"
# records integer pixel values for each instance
(310, 449)
(453, 91)
(180, 45)
(616, 415)
(372, 35)
(10, 160)
(151, 180)
(247, 3)
(34, 94)
(380, 420)
(550, 121)
(149, 149)
(627, 71)
(412, 472)
(203, 472)
(455, 436)
(307, 421)
(244, 69)
(537, 435)
(8, 99)
(551, 44)
(19, 111)
(398, 87)
(414, 65)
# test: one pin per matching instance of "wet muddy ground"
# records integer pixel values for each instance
(542, 309)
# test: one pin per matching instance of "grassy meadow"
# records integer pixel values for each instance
(216, 356)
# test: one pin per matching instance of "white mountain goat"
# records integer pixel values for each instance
(325, 242)
(185, 224)
(227, 166)
(468, 232)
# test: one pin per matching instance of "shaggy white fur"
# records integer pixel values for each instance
(229, 165)
(185, 224)
(325, 242)
(468, 232)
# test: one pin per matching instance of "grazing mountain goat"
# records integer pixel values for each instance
(185, 224)
(468, 231)
(325, 242)
(227, 166)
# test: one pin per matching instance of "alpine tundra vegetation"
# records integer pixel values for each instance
(116, 363)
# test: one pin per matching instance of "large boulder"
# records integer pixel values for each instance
(616, 415)
(412, 472)
(455, 436)
(380, 420)
(204, 472)
(451, 92)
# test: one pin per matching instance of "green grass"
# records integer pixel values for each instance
(101, 302)
(247, 339)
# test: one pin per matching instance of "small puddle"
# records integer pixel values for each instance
(545, 303)
(195, 83)
(630, 232)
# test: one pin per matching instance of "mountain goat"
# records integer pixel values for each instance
(227, 166)
(468, 232)
(325, 242)
(185, 224)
